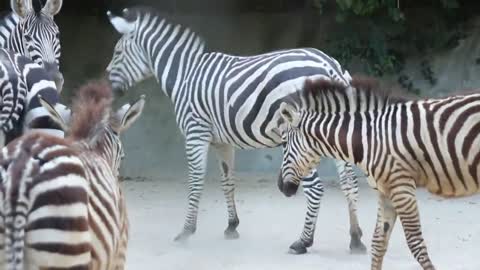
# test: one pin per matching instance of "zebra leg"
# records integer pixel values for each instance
(403, 199)
(313, 190)
(385, 221)
(225, 154)
(197, 154)
(349, 187)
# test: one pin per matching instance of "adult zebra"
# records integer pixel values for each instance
(8, 22)
(224, 101)
(61, 206)
(21, 83)
(31, 30)
(401, 144)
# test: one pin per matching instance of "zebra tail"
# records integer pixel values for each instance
(14, 244)
(16, 211)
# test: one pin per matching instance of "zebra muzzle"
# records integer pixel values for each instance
(288, 188)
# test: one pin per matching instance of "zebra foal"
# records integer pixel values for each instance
(401, 144)
(61, 204)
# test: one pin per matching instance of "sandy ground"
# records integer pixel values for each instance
(269, 223)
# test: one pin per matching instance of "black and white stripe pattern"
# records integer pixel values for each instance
(35, 34)
(21, 83)
(223, 101)
(7, 24)
(401, 144)
(61, 205)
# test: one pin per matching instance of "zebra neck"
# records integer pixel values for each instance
(174, 56)
(15, 42)
(349, 136)
(7, 24)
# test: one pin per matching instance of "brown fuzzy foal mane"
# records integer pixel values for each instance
(368, 85)
(90, 109)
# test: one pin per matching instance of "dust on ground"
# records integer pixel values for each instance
(269, 223)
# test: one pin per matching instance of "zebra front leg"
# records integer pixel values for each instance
(404, 201)
(225, 154)
(197, 154)
(349, 187)
(385, 221)
(313, 190)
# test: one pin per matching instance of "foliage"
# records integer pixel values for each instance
(376, 35)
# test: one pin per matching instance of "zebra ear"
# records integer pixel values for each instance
(289, 114)
(128, 114)
(120, 24)
(52, 7)
(21, 7)
(55, 115)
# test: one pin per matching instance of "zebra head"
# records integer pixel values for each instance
(37, 35)
(129, 63)
(299, 156)
(93, 124)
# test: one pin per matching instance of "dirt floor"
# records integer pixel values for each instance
(269, 223)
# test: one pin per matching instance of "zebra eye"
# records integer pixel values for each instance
(28, 38)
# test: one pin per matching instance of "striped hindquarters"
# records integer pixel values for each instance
(45, 205)
(14, 93)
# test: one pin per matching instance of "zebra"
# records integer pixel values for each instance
(401, 144)
(62, 206)
(22, 82)
(32, 31)
(8, 23)
(224, 101)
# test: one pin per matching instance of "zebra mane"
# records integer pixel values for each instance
(361, 89)
(141, 11)
(90, 110)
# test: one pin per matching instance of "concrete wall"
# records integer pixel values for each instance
(154, 145)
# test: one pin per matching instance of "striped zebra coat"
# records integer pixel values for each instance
(31, 31)
(62, 206)
(224, 101)
(21, 83)
(401, 144)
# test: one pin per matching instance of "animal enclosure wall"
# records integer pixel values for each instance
(155, 146)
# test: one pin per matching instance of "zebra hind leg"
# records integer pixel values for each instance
(225, 154)
(385, 221)
(197, 154)
(313, 190)
(349, 187)
(405, 203)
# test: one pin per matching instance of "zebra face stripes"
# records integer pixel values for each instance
(61, 204)
(37, 36)
(129, 64)
(401, 144)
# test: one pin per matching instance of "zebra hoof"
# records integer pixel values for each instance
(183, 236)
(299, 247)
(231, 234)
(357, 247)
